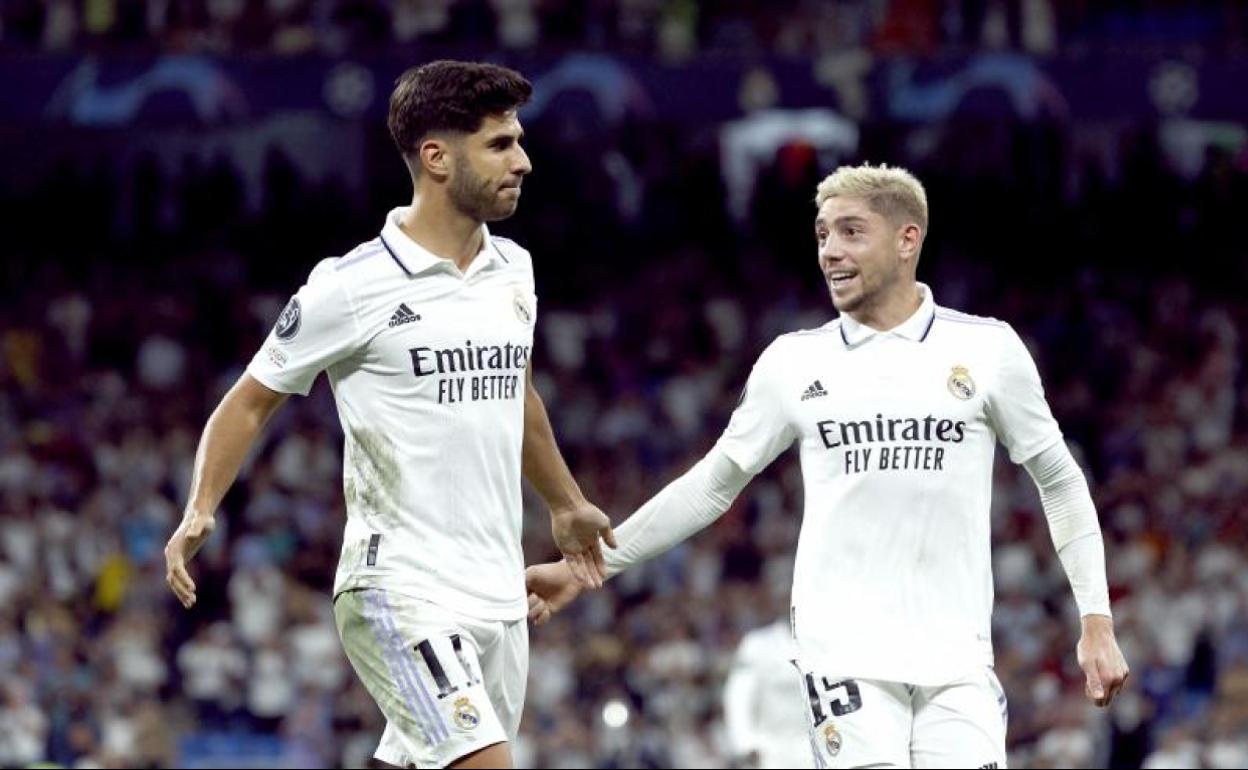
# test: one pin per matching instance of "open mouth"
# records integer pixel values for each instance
(841, 278)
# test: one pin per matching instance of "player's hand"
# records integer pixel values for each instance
(181, 548)
(577, 530)
(551, 587)
(1101, 660)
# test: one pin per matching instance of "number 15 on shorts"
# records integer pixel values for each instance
(837, 698)
(829, 698)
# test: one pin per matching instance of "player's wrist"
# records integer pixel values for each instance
(570, 579)
(568, 506)
(198, 513)
(1097, 625)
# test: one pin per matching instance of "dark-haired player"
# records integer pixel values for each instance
(426, 333)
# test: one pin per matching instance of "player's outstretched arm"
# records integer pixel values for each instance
(228, 436)
(682, 508)
(576, 523)
(685, 506)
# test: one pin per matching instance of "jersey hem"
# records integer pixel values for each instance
(452, 601)
(265, 379)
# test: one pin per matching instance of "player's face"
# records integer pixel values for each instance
(489, 167)
(858, 254)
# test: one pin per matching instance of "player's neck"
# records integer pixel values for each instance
(442, 230)
(891, 310)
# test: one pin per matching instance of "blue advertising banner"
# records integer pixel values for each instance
(118, 91)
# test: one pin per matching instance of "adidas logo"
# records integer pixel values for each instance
(814, 391)
(403, 315)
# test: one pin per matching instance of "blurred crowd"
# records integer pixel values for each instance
(130, 302)
(671, 28)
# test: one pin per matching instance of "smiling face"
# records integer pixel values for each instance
(487, 169)
(867, 260)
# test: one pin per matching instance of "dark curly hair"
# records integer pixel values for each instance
(450, 96)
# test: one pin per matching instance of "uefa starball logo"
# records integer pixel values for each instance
(287, 325)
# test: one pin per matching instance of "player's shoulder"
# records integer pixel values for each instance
(338, 269)
(357, 264)
(512, 253)
(787, 350)
(957, 318)
(769, 634)
(799, 342)
(752, 647)
(766, 642)
(965, 330)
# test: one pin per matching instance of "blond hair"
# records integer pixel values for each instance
(891, 192)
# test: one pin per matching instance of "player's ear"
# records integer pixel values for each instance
(909, 239)
(434, 155)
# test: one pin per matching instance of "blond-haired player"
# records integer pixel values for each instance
(896, 407)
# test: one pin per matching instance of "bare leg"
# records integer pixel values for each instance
(497, 755)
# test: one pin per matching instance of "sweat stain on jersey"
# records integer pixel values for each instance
(374, 482)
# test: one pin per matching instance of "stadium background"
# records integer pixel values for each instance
(173, 169)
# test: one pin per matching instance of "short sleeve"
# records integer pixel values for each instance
(316, 329)
(759, 429)
(529, 279)
(1017, 408)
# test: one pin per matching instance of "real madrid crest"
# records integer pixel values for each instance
(832, 737)
(521, 305)
(466, 714)
(960, 383)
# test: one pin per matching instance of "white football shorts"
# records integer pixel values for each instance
(872, 723)
(448, 684)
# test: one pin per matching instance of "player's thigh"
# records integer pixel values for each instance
(960, 725)
(504, 653)
(858, 722)
(498, 755)
(413, 659)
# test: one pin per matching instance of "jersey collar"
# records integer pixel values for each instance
(414, 258)
(914, 328)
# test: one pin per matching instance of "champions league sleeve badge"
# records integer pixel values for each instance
(960, 383)
(287, 325)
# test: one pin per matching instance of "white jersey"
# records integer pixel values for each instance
(427, 365)
(765, 708)
(897, 429)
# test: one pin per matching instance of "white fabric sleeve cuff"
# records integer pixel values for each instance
(1073, 525)
(683, 507)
